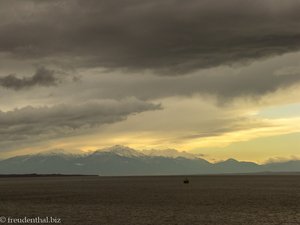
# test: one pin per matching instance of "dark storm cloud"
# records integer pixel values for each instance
(42, 77)
(224, 83)
(34, 123)
(173, 36)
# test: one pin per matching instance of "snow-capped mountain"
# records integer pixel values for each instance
(122, 160)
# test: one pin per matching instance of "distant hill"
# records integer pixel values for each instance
(121, 160)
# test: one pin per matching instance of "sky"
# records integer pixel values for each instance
(216, 78)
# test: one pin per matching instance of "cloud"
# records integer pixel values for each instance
(42, 123)
(171, 36)
(281, 159)
(42, 77)
(227, 84)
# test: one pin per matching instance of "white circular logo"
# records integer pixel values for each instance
(2, 219)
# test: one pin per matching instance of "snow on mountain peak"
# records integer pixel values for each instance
(130, 152)
(170, 153)
(121, 151)
(57, 152)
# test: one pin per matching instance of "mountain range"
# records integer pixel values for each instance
(124, 161)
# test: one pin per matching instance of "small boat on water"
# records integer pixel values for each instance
(186, 181)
